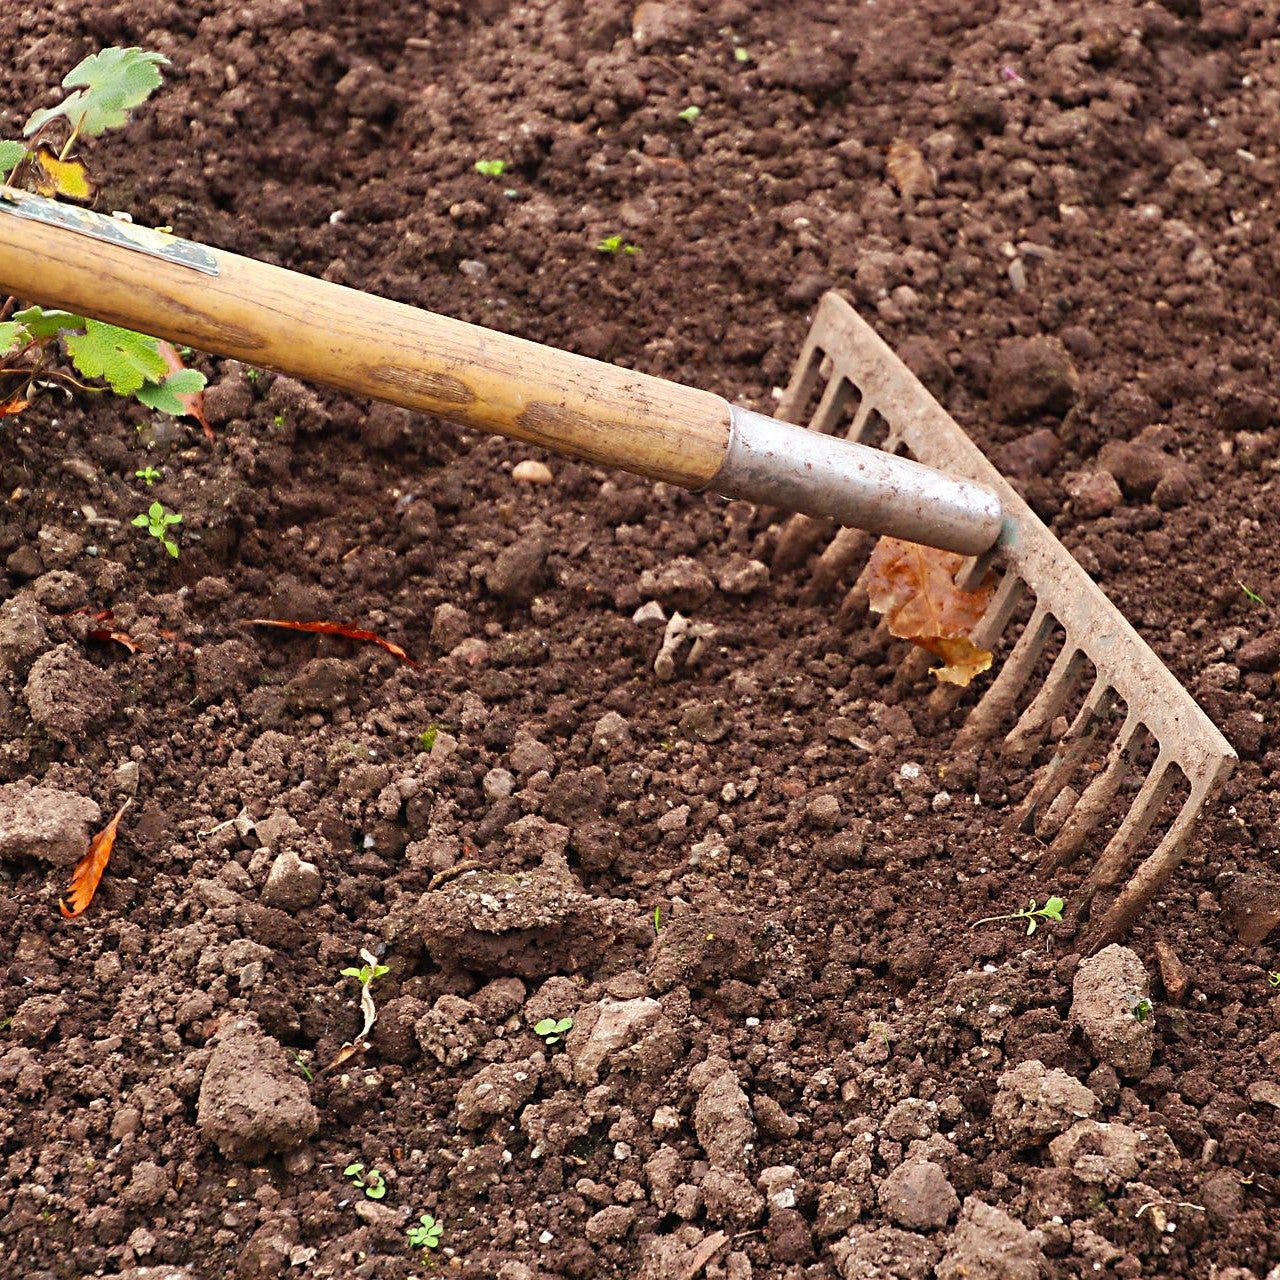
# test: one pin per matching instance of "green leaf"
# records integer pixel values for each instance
(125, 359)
(108, 84)
(164, 396)
(10, 154)
(689, 114)
(352, 1169)
(544, 1028)
(140, 522)
(351, 973)
(491, 168)
(1053, 908)
(47, 324)
(13, 337)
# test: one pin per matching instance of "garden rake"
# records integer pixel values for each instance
(877, 454)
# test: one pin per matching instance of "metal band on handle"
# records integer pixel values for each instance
(780, 464)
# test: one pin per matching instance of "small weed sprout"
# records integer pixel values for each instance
(1273, 979)
(253, 375)
(1142, 1007)
(157, 521)
(299, 1063)
(614, 245)
(148, 476)
(427, 738)
(491, 168)
(426, 1235)
(1033, 915)
(553, 1030)
(689, 114)
(372, 1183)
(657, 920)
(366, 975)
(1251, 594)
(741, 55)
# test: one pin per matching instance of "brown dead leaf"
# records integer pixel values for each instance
(88, 873)
(193, 404)
(908, 169)
(333, 629)
(914, 588)
(104, 634)
(8, 407)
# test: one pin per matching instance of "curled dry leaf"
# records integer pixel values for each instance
(908, 169)
(333, 629)
(88, 873)
(914, 588)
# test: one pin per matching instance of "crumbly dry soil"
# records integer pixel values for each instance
(751, 885)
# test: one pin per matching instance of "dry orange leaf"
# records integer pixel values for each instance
(333, 629)
(9, 407)
(908, 169)
(193, 404)
(88, 873)
(915, 588)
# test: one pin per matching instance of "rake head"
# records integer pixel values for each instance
(1069, 651)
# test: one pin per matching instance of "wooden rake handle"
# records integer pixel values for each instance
(62, 256)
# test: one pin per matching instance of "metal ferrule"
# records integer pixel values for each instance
(779, 464)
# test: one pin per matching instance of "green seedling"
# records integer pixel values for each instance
(366, 975)
(614, 245)
(300, 1065)
(741, 55)
(657, 920)
(427, 738)
(372, 1183)
(157, 521)
(1142, 1007)
(1252, 595)
(37, 345)
(427, 1234)
(148, 475)
(553, 1030)
(254, 375)
(689, 114)
(491, 168)
(1273, 979)
(1033, 915)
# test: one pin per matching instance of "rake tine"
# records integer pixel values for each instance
(1150, 876)
(861, 425)
(1044, 708)
(804, 378)
(796, 543)
(1072, 750)
(985, 635)
(837, 393)
(1110, 867)
(998, 701)
(846, 548)
(1097, 797)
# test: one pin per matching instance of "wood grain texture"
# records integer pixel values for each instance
(294, 324)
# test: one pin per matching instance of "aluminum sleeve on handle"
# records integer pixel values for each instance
(779, 464)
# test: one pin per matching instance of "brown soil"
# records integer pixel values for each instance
(806, 1054)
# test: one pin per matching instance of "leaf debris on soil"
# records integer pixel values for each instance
(915, 588)
(333, 629)
(88, 873)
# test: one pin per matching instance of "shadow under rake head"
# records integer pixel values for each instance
(858, 380)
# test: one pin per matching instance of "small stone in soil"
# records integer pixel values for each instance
(292, 884)
(1252, 901)
(252, 1103)
(988, 1242)
(918, 1195)
(1104, 994)
(1033, 376)
(40, 822)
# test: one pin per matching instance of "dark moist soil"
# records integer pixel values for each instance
(752, 885)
